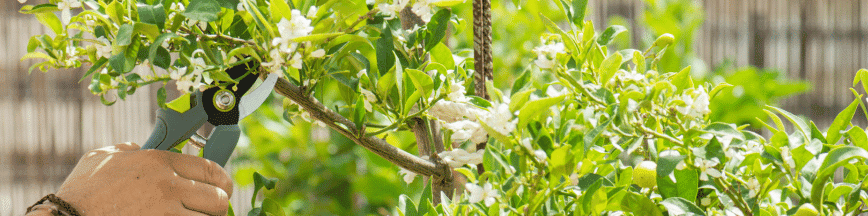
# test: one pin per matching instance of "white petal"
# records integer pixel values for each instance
(318, 53)
(713, 173)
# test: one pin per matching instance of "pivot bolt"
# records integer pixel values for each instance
(224, 100)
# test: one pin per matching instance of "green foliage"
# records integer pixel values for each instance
(581, 113)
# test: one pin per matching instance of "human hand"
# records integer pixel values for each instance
(123, 180)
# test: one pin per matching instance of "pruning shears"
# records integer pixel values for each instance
(223, 107)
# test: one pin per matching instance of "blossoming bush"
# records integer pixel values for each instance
(599, 131)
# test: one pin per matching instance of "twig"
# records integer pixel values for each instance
(378, 146)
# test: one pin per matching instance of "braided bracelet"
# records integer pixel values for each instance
(65, 207)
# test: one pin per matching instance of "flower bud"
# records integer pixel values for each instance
(664, 40)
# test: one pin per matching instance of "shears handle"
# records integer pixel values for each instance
(172, 127)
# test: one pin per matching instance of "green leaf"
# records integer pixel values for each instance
(125, 35)
(116, 12)
(385, 54)
(152, 14)
(437, 28)
(563, 161)
(682, 79)
(862, 75)
(255, 212)
(229, 4)
(639, 60)
(51, 21)
(420, 80)
(161, 97)
(123, 62)
(800, 125)
(202, 10)
(220, 75)
(536, 108)
(609, 33)
(521, 82)
(717, 89)
(578, 14)
(280, 10)
(639, 204)
(841, 121)
(317, 37)
(591, 137)
(679, 206)
(106, 102)
(441, 54)
(158, 55)
(270, 206)
(836, 157)
(36, 55)
(858, 137)
(148, 30)
(609, 66)
(359, 112)
(99, 64)
(667, 164)
(37, 9)
(496, 134)
(259, 182)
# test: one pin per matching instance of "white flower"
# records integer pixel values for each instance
(369, 98)
(176, 74)
(65, 6)
(550, 48)
(753, 185)
(298, 26)
(753, 147)
(311, 13)
(478, 193)
(72, 52)
(276, 61)
(103, 50)
(457, 91)
(695, 107)
(362, 73)
(394, 9)
(422, 8)
(631, 75)
(787, 156)
(707, 168)
(449, 111)
(409, 176)
(22, 1)
(500, 119)
(466, 130)
(544, 62)
(458, 157)
(318, 53)
(240, 6)
(540, 155)
(296, 61)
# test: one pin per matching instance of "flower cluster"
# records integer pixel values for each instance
(422, 8)
(459, 157)
(465, 119)
(547, 53)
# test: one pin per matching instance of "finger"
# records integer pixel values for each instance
(201, 170)
(181, 210)
(204, 198)
(127, 146)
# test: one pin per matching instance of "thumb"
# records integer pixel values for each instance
(127, 146)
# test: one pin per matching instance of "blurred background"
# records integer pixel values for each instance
(800, 55)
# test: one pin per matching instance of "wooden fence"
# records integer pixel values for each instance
(48, 121)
